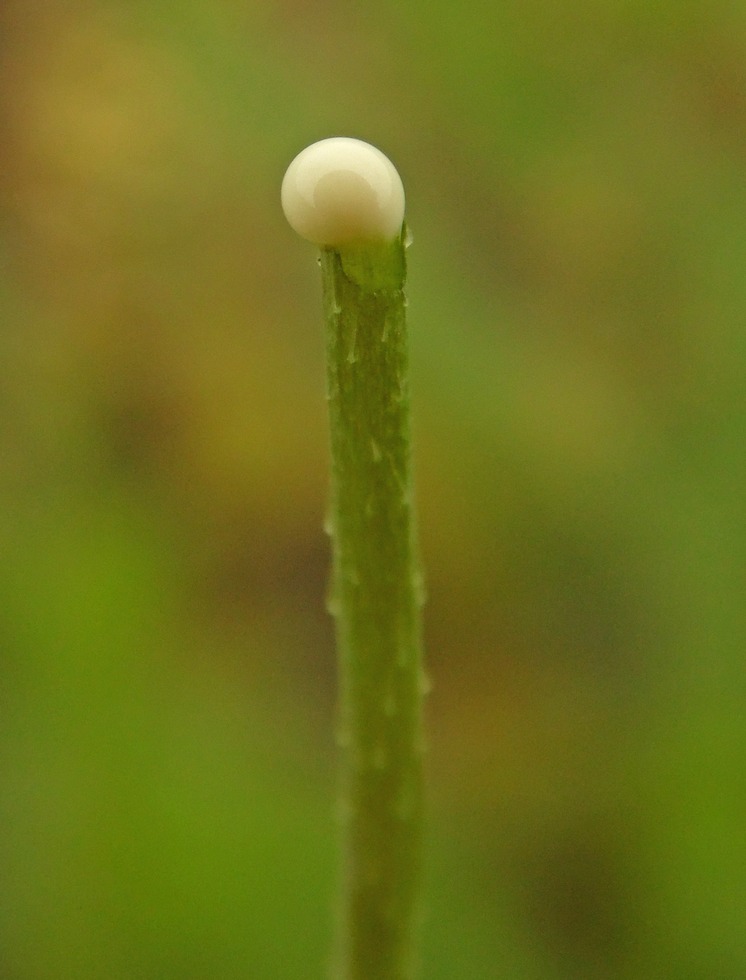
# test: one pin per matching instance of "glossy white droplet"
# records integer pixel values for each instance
(342, 191)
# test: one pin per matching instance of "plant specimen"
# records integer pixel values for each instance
(346, 196)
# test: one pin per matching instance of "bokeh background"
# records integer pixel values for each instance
(576, 179)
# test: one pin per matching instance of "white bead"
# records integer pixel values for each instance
(342, 191)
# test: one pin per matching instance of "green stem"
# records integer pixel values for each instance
(376, 599)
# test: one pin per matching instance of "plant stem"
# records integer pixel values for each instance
(376, 600)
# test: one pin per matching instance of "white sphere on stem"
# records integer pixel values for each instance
(342, 191)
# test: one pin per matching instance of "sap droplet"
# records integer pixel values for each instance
(341, 191)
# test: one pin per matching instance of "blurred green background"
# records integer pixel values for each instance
(576, 180)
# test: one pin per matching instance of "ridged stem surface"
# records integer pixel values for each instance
(376, 599)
